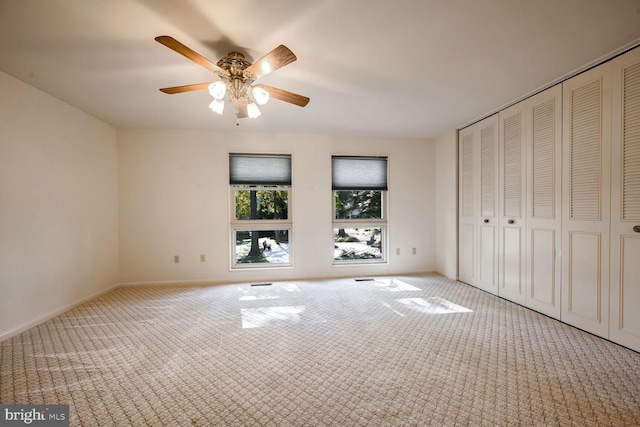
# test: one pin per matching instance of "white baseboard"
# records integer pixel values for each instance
(54, 313)
(174, 282)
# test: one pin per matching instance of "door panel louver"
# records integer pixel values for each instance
(585, 156)
(631, 145)
(477, 195)
(624, 326)
(543, 185)
(544, 126)
(487, 171)
(512, 167)
(467, 176)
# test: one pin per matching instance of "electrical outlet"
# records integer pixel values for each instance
(202, 258)
(414, 250)
(176, 259)
(397, 251)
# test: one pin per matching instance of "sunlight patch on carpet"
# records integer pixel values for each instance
(275, 291)
(271, 316)
(387, 305)
(394, 285)
(433, 305)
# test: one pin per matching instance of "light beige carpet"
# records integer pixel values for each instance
(402, 351)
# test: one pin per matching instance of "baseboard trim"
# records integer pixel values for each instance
(174, 282)
(202, 282)
(54, 313)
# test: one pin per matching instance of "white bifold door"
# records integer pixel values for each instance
(586, 200)
(512, 203)
(625, 201)
(478, 204)
(530, 202)
(549, 208)
(467, 209)
(544, 201)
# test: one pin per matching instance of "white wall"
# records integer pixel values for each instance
(445, 200)
(84, 207)
(174, 200)
(58, 206)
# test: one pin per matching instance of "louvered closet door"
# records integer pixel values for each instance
(511, 219)
(544, 201)
(625, 201)
(488, 227)
(468, 211)
(586, 201)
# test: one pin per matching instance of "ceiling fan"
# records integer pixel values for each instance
(237, 76)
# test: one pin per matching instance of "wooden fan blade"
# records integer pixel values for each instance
(183, 50)
(285, 96)
(277, 58)
(185, 88)
(241, 108)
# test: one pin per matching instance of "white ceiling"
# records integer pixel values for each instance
(371, 67)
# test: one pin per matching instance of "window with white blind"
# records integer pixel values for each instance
(359, 187)
(261, 224)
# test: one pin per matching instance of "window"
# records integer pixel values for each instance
(359, 215)
(260, 218)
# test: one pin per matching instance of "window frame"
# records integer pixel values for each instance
(360, 225)
(251, 225)
(363, 223)
(244, 187)
(235, 265)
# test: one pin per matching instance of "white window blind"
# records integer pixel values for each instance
(259, 169)
(359, 173)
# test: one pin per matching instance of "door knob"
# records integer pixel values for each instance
(636, 228)
(511, 221)
(486, 221)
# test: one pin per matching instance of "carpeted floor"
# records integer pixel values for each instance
(401, 351)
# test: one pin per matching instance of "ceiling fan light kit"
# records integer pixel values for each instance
(217, 106)
(260, 95)
(218, 90)
(237, 77)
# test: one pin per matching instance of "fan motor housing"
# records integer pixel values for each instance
(234, 63)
